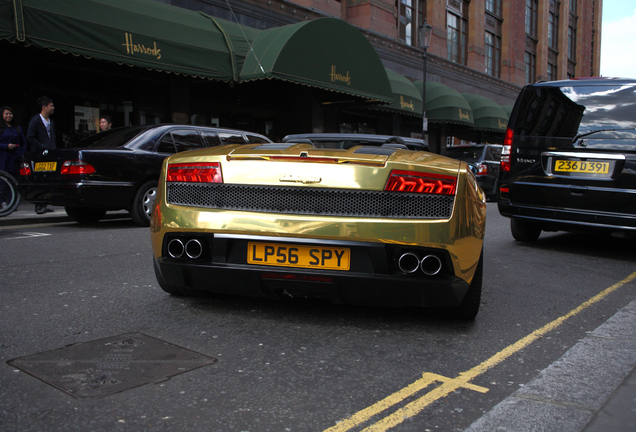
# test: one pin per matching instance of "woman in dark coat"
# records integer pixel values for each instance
(12, 147)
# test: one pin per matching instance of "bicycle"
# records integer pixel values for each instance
(10, 198)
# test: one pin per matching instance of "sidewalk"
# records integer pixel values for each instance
(591, 388)
(25, 215)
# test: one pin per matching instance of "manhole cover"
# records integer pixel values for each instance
(111, 365)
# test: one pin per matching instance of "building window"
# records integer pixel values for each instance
(531, 17)
(552, 72)
(493, 52)
(553, 30)
(531, 67)
(456, 38)
(494, 7)
(571, 43)
(407, 27)
(573, 7)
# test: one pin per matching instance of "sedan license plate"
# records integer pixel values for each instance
(576, 166)
(45, 166)
(286, 255)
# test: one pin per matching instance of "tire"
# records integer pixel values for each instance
(174, 289)
(143, 203)
(85, 215)
(524, 231)
(469, 306)
(9, 194)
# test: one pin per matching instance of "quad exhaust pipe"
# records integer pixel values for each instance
(409, 263)
(193, 248)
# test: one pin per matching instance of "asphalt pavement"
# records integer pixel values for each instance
(605, 359)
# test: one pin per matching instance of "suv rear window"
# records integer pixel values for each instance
(564, 112)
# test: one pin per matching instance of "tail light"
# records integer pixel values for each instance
(76, 167)
(412, 181)
(196, 172)
(482, 169)
(507, 150)
(25, 169)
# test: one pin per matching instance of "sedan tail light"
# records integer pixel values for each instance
(195, 172)
(507, 150)
(25, 169)
(413, 181)
(77, 167)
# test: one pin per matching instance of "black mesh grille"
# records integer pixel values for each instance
(311, 201)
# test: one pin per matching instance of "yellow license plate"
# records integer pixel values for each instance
(45, 166)
(286, 255)
(582, 167)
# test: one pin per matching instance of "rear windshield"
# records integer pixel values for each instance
(112, 138)
(571, 111)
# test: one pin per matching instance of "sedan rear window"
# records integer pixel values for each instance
(112, 138)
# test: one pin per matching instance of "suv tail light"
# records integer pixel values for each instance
(507, 150)
(195, 172)
(482, 169)
(76, 167)
(25, 169)
(413, 181)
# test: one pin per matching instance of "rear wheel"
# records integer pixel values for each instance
(143, 203)
(84, 214)
(9, 196)
(469, 306)
(524, 231)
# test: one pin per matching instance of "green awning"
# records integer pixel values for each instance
(507, 109)
(445, 105)
(143, 33)
(327, 53)
(407, 99)
(489, 116)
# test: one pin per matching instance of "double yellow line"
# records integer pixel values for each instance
(449, 385)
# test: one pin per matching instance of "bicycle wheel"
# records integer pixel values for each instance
(9, 196)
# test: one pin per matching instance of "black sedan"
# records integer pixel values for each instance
(114, 170)
(484, 160)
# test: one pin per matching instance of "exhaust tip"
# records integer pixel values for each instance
(431, 265)
(176, 248)
(193, 249)
(408, 263)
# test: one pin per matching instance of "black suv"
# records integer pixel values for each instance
(569, 158)
(484, 161)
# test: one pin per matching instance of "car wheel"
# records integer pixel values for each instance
(174, 289)
(469, 306)
(143, 203)
(85, 215)
(524, 231)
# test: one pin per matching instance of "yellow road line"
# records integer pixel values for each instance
(449, 385)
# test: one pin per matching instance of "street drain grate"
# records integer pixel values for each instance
(111, 365)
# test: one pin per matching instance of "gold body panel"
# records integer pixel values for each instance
(461, 235)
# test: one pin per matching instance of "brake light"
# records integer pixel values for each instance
(76, 167)
(25, 169)
(507, 150)
(482, 169)
(195, 172)
(413, 181)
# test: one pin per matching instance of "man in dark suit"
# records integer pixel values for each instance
(41, 135)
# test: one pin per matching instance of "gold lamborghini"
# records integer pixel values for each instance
(367, 225)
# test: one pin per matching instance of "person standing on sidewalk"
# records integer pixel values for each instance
(12, 146)
(41, 135)
(105, 123)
